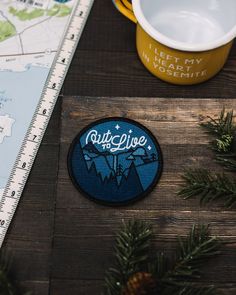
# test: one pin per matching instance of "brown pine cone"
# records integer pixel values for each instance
(140, 283)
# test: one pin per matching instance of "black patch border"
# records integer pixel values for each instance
(76, 140)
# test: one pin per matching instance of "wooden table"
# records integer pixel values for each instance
(62, 242)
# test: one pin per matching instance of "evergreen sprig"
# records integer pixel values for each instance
(224, 131)
(131, 254)
(209, 187)
(222, 127)
(227, 160)
(176, 277)
(190, 290)
(191, 254)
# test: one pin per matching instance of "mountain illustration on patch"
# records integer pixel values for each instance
(115, 162)
(118, 166)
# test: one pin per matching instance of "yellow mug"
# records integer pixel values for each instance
(182, 42)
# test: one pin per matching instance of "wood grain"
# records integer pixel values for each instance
(84, 231)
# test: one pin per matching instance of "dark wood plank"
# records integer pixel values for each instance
(36, 287)
(99, 222)
(76, 287)
(84, 231)
(103, 73)
(94, 287)
(178, 115)
(99, 34)
(78, 255)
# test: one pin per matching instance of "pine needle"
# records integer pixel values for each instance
(192, 253)
(228, 161)
(159, 265)
(177, 277)
(223, 126)
(131, 252)
(189, 290)
(224, 131)
(208, 187)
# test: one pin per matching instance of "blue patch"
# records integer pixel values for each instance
(62, 1)
(115, 161)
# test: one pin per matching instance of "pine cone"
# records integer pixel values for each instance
(140, 283)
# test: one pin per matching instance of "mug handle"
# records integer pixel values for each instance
(125, 7)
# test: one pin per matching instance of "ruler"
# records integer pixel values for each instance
(41, 117)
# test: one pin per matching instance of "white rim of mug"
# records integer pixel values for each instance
(159, 37)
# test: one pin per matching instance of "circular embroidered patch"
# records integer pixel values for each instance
(115, 161)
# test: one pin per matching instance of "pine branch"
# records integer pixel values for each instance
(158, 266)
(189, 290)
(132, 254)
(228, 161)
(209, 187)
(223, 126)
(132, 247)
(194, 290)
(190, 256)
(224, 131)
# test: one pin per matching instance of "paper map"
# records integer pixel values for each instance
(30, 34)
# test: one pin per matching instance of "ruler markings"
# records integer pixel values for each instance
(42, 114)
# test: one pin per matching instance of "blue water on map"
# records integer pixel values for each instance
(23, 91)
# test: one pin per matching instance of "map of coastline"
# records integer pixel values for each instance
(6, 123)
(30, 34)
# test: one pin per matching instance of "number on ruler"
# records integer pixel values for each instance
(36, 129)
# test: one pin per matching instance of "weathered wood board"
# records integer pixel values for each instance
(84, 231)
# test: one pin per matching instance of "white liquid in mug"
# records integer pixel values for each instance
(187, 26)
